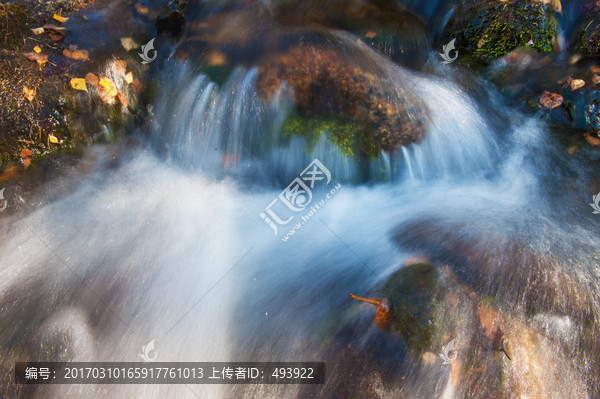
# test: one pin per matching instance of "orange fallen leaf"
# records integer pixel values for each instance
(78, 84)
(25, 155)
(594, 141)
(551, 100)
(76, 54)
(104, 95)
(109, 85)
(577, 84)
(129, 77)
(91, 79)
(123, 99)
(28, 93)
(41, 59)
(596, 69)
(60, 18)
(37, 49)
(120, 67)
(141, 9)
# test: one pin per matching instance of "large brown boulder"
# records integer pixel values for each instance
(324, 81)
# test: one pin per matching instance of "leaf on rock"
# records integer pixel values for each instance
(91, 79)
(594, 141)
(577, 84)
(128, 43)
(122, 99)
(104, 95)
(40, 58)
(37, 31)
(551, 100)
(60, 18)
(76, 54)
(129, 77)
(78, 84)
(28, 93)
(109, 86)
(120, 67)
(137, 86)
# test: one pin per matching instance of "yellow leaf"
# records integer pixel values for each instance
(109, 86)
(577, 84)
(52, 139)
(129, 77)
(37, 31)
(128, 43)
(28, 93)
(59, 18)
(78, 84)
(37, 49)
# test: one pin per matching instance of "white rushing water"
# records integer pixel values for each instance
(172, 248)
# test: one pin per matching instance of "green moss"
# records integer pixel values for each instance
(352, 138)
(588, 40)
(500, 27)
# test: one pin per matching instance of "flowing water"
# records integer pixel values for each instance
(164, 241)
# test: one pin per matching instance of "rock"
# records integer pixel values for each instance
(491, 29)
(324, 83)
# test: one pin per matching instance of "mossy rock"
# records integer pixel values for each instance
(588, 38)
(489, 30)
(415, 294)
(352, 138)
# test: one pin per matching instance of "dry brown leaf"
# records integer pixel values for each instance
(60, 18)
(28, 93)
(37, 49)
(25, 155)
(56, 33)
(129, 77)
(78, 84)
(370, 34)
(137, 86)
(37, 31)
(123, 99)
(595, 141)
(76, 54)
(577, 84)
(551, 100)
(41, 59)
(141, 9)
(109, 85)
(120, 67)
(91, 79)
